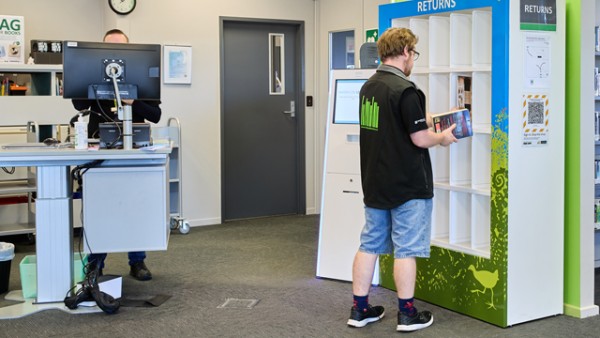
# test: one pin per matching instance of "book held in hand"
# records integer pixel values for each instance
(461, 117)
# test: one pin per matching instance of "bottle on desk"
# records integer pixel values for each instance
(81, 139)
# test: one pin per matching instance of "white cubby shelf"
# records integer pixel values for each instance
(453, 45)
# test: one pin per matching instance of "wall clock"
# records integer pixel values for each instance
(122, 7)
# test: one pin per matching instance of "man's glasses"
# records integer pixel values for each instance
(416, 55)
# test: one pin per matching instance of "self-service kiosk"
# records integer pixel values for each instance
(342, 208)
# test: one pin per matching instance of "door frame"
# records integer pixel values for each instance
(299, 99)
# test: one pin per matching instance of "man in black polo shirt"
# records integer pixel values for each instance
(397, 180)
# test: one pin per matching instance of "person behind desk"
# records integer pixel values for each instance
(105, 110)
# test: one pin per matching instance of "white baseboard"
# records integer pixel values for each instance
(581, 312)
(204, 221)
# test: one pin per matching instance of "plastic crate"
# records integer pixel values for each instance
(28, 269)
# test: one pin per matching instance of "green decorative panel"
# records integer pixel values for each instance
(472, 285)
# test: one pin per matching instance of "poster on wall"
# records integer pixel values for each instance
(12, 36)
(177, 64)
(535, 120)
(537, 60)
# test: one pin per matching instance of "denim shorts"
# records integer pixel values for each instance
(406, 229)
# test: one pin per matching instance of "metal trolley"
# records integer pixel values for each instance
(172, 132)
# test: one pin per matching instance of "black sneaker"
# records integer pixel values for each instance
(139, 271)
(360, 319)
(419, 321)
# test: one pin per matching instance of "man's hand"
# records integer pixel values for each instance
(128, 102)
(448, 137)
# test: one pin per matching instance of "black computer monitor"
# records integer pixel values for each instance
(87, 65)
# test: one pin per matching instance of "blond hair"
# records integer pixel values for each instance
(393, 41)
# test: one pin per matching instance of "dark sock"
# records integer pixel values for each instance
(361, 302)
(406, 306)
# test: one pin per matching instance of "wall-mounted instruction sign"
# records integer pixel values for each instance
(12, 36)
(535, 120)
(538, 15)
(537, 60)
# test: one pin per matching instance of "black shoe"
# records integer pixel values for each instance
(419, 321)
(139, 271)
(360, 319)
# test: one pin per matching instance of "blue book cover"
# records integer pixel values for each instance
(462, 119)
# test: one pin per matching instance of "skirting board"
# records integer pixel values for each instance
(578, 312)
(204, 221)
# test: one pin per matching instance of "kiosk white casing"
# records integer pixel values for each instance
(342, 208)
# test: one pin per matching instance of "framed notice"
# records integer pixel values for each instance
(177, 64)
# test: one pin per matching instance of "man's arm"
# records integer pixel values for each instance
(421, 135)
(81, 104)
(149, 110)
(427, 138)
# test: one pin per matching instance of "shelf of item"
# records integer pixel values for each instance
(20, 183)
(482, 226)
(16, 187)
(453, 45)
(171, 134)
(41, 80)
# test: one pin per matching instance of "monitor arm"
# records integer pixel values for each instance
(124, 112)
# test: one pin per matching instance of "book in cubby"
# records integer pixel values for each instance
(463, 91)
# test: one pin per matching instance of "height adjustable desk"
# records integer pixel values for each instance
(53, 217)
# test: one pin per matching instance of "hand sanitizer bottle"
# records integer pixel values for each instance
(81, 139)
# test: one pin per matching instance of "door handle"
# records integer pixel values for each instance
(292, 111)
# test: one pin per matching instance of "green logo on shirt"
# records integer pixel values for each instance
(369, 114)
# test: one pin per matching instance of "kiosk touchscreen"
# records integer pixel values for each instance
(342, 209)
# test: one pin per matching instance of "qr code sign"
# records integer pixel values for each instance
(536, 110)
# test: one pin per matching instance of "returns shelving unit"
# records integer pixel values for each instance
(498, 219)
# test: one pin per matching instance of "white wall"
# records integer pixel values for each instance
(198, 106)
(58, 19)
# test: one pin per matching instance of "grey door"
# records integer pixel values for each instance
(262, 146)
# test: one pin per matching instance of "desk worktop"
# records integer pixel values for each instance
(52, 155)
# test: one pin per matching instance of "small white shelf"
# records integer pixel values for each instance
(453, 46)
(17, 229)
(447, 70)
(17, 218)
(43, 77)
(483, 190)
(24, 68)
(16, 187)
